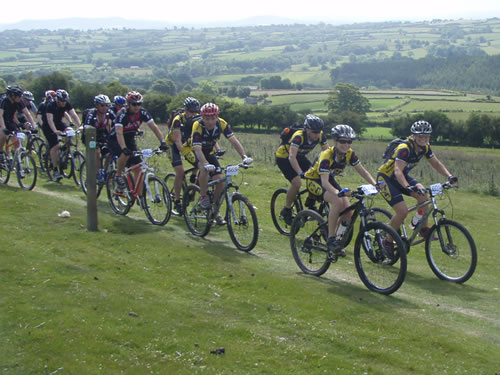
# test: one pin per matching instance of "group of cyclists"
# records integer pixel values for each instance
(393, 177)
(194, 134)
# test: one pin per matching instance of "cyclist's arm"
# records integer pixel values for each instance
(438, 166)
(67, 116)
(237, 146)
(119, 136)
(50, 121)
(75, 118)
(200, 156)
(399, 167)
(152, 125)
(29, 117)
(363, 172)
(292, 157)
(177, 138)
(325, 183)
(2, 122)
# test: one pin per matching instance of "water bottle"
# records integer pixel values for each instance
(417, 217)
(341, 230)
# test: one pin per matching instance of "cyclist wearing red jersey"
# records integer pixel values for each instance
(121, 140)
(395, 173)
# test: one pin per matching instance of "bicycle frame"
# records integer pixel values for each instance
(228, 184)
(143, 172)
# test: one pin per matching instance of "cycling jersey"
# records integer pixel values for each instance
(206, 139)
(57, 112)
(179, 123)
(130, 122)
(92, 119)
(9, 110)
(300, 140)
(326, 163)
(405, 152)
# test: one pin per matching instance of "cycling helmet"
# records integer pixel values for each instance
(314, 123)
(50, 94)
(62, 95)
(209, 109)
(421, 127)
(191, 104)
(343, 131)
(119, 100)
(134, 97)
(28, 95)
(14, 91)
(102, 99)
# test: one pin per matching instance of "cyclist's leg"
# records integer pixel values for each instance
(179, 171)
(212, 159)
(292, 176)
(392, 192)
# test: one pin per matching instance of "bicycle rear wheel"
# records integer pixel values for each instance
(451, 251)
(377, 266)
(36, 147)
(242, 223)
(4, 171)
(197, 219)
(26, 171)
(83, 180)
(277, 203)
(308, 243)
(77, 158)
(156, 200)
(119, 200)
(169, 181)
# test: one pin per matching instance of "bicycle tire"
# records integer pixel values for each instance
(376, 268)
(77, 159)
(277, 203)
(308, 243)
(26, 171)
(169, 181)
(47, 162)
(119, 201)
(455, 250)
(83, 180)
(197, 219)
(66, 165)
(156, 200)
(36, 145)
(243, 228)
(4, 171)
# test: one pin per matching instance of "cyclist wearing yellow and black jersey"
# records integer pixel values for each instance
(395, 172)
(292, 160)
(180, 133)
(322, 184)
(10, 104)
(206, 132)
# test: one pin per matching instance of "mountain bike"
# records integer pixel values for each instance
(240, 216)
(35, 143)
(18, 159)
(70, 158)
(149, 190)
(381, 268)
(449, 247)
(102, 173)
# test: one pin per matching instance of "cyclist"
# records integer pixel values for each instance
(9, 105)
(180, 132)
(53, 125)
(29, 100)
(292, 160)
(322, 184)
(118, 103)
(121, 140)
(100, 118)
(395, 173)
(206, 132)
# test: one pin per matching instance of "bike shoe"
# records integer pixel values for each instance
(205, 203)
(121, 183)
(286, 214)
(178, 207)
(388, 248)
(57, 176)
(335, 247)
(219, 220)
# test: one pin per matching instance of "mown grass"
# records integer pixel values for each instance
(137, 299)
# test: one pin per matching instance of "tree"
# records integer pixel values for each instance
(164, 86)
(346, 97)
(208, 87)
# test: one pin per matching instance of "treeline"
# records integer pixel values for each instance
(463, 73)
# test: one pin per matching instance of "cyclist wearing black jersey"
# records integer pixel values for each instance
(395, 173)
(180, 133)
(292, 160)
(121, 140)
(10, 105)
(53, 125)
(206, 132)
(321, 179)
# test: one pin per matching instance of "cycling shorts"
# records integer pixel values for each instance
(52, 138)
(315, 187)
(174, 155)
(116, 150)
(286, 167)
(391, 189)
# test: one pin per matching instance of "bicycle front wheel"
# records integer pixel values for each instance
(26, 171)
(308, 235)
(242, 223)
(451, 251)
(156, 200)
(278, 201)
(197, 219)
(37, 146)
(78, 159)
(169, 181)
(382, 270)
(119, 200)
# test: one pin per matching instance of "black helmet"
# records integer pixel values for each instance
(28, 95)
(191, 104)
(102, 99)
(62, 95)
(343, 131)
(421, 127)
(14, 91)
(314, 123)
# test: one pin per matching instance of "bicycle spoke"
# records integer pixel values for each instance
(156, 200)
(242, 223)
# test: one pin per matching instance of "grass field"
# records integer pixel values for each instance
(137, 299)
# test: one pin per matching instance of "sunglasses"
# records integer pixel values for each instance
(135, 104)
(345, 142)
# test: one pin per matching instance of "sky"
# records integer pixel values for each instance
(334, 11)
